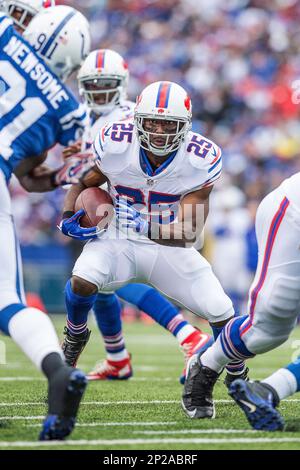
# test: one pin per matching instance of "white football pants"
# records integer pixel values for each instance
(181, 274)
(274, 298)
(11, 280)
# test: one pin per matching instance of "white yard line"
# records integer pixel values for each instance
(131, 423)
(112, 442)
(103, 403)
(22, 379)
(6, 418)
(133, 379)
(129, 402)
(199, 431)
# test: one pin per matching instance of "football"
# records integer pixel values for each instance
(98, 207)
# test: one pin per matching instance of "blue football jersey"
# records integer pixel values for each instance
(36, 109)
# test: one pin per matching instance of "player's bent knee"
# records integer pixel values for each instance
(261, 345)
(283, 299)
(276, 314)
(82, 287)
(7, 313)
(219, 309)
(265, 336)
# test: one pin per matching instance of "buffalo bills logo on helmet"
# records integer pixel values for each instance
(187, 103)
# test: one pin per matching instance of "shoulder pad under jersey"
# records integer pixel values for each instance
(204, 155)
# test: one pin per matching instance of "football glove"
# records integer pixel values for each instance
(71, 228)
(129, 217)
(71, 150)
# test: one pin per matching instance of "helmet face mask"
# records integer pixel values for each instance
(22, 12)
(162, 117)
(161, 143)
(103, 80)
(101, 94)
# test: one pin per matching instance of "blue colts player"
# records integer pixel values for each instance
(103, 80)
(156, 167)
(37, 111)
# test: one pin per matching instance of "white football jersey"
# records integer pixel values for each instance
(291, 188)
(119, 113)
(196, 164)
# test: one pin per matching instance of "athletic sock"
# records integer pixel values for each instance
(78, 308)
(150, 301)
(228, 348)
(107, 310)
(285, 381)
(34, 333)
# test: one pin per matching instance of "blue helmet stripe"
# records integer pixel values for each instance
(56, 32)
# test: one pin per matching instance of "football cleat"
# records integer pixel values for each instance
(197, 401)
(73, 345)
(197, 343)
(112, 370)
(64, 399)
(230, 378)
(258, 401)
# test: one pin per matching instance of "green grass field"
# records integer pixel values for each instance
(144, 412)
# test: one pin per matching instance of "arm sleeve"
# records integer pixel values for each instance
(100, 145)
(72, 126)
(213, 165)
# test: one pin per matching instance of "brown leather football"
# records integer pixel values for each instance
(98, 207)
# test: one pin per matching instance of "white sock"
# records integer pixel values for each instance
(283, 381)
(214, 357)
(184, 333)
(34, 333)
(119, 356)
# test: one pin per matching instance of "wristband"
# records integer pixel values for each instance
(67, 214)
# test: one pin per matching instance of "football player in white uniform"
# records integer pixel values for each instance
(103, 80)
(158, 171)
(273, 308)
(37, 111)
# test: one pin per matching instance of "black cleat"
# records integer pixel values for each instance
(258, 401)
(65, 393)
(230, 378)
(197, 400)
(73, 345)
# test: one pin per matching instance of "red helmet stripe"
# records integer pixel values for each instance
(48, 3)
(100, 59)
(162, 100)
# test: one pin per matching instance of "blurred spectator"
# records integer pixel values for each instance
(229, 223)
(238, 59)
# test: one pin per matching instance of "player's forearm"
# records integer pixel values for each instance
(186, 231)
(181, 235)
(92, 178)
(38, 184)
(71, 196)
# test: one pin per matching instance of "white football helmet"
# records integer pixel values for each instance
(22, 11)
(61, 36)
(103, 80)
(163, 101)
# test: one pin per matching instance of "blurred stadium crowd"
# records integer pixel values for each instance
(239, 60)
